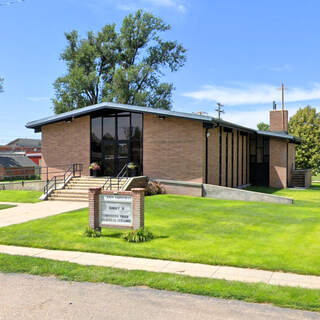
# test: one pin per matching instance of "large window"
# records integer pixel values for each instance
(116, 140)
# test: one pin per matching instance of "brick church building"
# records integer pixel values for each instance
(169, 145)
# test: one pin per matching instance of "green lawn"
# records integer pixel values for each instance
(4, 206)
(297, 298)
(316, 178)
(246, 234)
(19, 196)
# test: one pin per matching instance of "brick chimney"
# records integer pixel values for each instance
(278, 120)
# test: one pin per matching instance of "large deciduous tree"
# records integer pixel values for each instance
(305, 124)
(262, 126)
(122, 66)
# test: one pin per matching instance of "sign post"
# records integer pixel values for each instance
(116, 209)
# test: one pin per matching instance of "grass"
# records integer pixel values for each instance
(316, 178)
(22, 180)
(21, 196)
(244, 234)
(4, 206)
(297, 298)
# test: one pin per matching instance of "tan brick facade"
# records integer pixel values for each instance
(291, 161)
(239, 176)
(213, 156)
(173, 148)
(278, 163)
(279, 120)
(65, 143)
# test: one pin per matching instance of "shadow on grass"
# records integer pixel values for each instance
(117, 235)
(262, 189)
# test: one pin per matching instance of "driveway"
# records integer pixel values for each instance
(32, 297)
(30, 211)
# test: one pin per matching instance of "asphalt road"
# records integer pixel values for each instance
(31, 297)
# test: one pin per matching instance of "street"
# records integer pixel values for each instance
(32, 297)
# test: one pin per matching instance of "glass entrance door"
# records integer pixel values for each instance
(115, 157)
(116, 140)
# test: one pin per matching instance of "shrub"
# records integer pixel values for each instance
(140, 235)
(91, 233)
(154, 188)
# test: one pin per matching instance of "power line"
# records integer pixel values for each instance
(9, 3)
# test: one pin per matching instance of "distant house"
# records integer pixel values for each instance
(30, 147)
(16, 165)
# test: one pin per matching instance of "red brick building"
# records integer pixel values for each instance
(15, 166)
(30, 147)
(169, 145)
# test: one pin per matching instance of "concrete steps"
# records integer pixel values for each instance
(77, 188)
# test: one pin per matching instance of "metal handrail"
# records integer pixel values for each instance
(123, 171)
(47, 186)
(108, 184)
(70, 172)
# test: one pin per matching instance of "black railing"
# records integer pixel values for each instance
(72, 171)
(116, 181)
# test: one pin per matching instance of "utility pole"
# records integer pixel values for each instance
(282, 104)
(219, 110)
(282, 95)
(282, 89)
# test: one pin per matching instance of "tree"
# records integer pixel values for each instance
(305, 124)
(122, 66)
(262, 126)
(1, 84)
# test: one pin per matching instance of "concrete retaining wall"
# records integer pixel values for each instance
(217, 192)
(23, 185)
(182, 187)
(136, 182)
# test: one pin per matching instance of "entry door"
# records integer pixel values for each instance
(115, 157)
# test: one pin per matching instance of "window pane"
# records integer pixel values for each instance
(109, 128)
(123, 128)
(96, 139)
(136, 122)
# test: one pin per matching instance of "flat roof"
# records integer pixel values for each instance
(36, 124)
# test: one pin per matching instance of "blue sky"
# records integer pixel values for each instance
(239, 52)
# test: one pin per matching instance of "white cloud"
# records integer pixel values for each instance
(129, 5)
(253, 94)
(38, 99)
(252, 117)
(284, 68)
(178, 5)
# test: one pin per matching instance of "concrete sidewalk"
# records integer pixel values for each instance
(189, 269)
(23, 212)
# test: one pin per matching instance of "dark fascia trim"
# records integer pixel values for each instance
(37, 124)
(227, 129)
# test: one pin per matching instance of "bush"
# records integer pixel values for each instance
(140, 235)
(154, 188)
(91, 233)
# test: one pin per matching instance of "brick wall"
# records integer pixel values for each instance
(213, 156)
(291, 161)
(278, 163)
(173, 149)
(66, 143)
(279, 120)
(239, 177)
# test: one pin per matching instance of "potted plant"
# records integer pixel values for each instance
(132, 169)
(95, 168)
